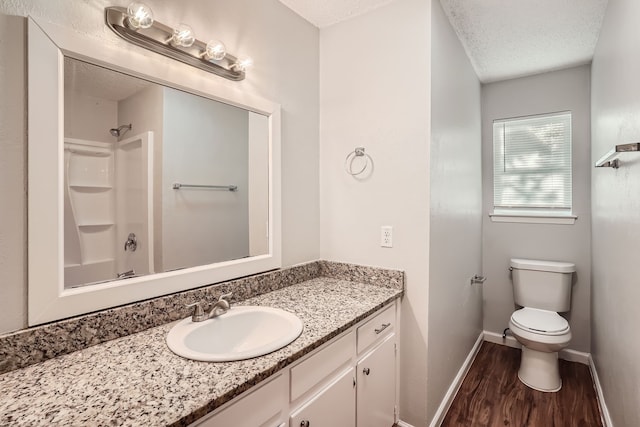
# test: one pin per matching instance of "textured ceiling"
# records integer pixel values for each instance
(507, 38)
(323, 13)
(99, 82)
(503, 38)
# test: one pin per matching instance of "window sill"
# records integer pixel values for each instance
(534, 219)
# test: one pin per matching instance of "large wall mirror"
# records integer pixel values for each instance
(144, 179)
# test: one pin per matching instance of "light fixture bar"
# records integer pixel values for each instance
(156, 38)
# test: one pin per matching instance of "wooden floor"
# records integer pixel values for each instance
(492, 395)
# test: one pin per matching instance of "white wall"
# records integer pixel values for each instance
(133, 193)
(543, 93)
(144, 111)
(13, 171)
(374, 79)
(89, 117)
(285, 51)
(258, 186)
(616, 213)
(205, 143)
(455, 306)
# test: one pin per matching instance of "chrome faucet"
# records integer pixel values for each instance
(218, 308)
(132, 243)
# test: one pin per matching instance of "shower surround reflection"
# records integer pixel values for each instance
(113, 189)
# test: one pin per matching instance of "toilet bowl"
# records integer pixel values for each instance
(543, 334)
(542, 289)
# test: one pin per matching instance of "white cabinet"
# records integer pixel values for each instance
(349, 381)
(378, 327)
(261, 407)
(333, 406)
(321, 366)
(373, 355)
(376, 376)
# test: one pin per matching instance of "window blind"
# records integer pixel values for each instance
(532, 163)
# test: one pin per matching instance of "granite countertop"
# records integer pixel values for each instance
(136, 380)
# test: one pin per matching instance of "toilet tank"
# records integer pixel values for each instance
(542, 284)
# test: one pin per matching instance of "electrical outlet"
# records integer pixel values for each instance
(386, 236)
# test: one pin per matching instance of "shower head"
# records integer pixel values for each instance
(117, 132)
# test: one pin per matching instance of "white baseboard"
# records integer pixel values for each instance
(438, 418)
(403, 424)
(496, 338)
(604, 411)
(510, 341)
(575, 356)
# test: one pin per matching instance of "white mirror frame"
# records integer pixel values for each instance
(48, 300)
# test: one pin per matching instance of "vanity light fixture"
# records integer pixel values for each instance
(137, 25)
(215, 50)
(139, 15)
(242, 63)
(182, 36)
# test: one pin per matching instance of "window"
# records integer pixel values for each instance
(532, 165)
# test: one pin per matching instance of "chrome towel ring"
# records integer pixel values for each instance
(348, 161)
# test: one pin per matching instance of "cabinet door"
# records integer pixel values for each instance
(260, 408)
(377, 386)
(334, 406)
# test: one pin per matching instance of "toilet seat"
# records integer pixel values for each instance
(541, 322)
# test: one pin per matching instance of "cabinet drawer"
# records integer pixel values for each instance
(321, 365)
(380, 326)
(262, 407)
(334, 406)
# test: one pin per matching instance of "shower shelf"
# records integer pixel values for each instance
(91, 187)
(98, 261)
(97, 224)
(89, 152)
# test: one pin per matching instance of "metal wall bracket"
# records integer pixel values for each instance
(477, 279)
(609, 160)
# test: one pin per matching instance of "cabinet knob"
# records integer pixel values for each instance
(304, 423)
(366, 371)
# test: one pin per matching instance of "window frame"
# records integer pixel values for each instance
(532, 214)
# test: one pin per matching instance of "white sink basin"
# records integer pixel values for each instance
(241, 333)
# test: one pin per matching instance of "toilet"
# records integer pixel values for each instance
(542, 289)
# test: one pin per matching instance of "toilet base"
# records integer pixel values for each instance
(540, 370)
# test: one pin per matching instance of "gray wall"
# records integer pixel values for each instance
(556, 91)
(285, 52)
(616, 213)
(455, 306)
(382, 105)
(205, 142)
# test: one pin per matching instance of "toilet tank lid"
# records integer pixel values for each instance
(552, 266)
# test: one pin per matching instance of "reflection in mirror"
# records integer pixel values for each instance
(156, 179)
(105, 151)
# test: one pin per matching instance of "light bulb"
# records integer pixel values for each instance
(215, 50)
(242, 63)
(183, 36)
(139, 15)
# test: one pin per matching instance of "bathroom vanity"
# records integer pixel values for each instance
(95, 352)
(343, 362)
(350, 381)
